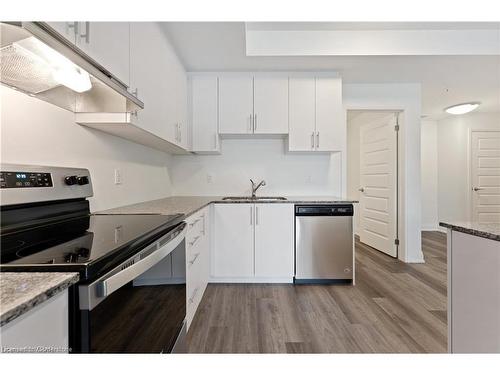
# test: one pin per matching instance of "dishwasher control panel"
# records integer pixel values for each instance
(324, 210)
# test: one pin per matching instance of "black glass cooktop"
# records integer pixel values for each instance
(88, 244)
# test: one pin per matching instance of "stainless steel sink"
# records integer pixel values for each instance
(253, 199)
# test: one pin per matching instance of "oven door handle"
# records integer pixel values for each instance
(113, 283)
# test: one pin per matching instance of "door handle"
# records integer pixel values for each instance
(362, 190)
(477, 189)
(312, 140)
(86, 35)
(250, 128)
(254, 122)
(317, 140)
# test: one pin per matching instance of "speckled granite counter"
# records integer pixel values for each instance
(485, 230)
(191, 204)
(21, 291)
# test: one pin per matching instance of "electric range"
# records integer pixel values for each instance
(125, 262)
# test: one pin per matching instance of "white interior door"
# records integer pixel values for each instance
(378, 176)
(485, 176)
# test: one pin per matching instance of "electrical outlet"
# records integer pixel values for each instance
(209, 178)
(118, 177)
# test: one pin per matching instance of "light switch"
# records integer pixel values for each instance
(118, 177)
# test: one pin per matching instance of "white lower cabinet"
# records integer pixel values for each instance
(45, 328)
(197, 260)
(253, 242)
(274, 240)
(233, 254)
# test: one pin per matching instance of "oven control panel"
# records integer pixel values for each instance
(22, 183)
(25, 179)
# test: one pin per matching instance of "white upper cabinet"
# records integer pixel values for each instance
(302, 114)
(204, 99)
(270, 105)
(66, 29)
(317, 121)
(330, 118)
(108, 44)
(236, 105)
(274, 240)
(159, 79)
(146, 66)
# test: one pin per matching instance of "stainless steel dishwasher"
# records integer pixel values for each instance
(324, 251)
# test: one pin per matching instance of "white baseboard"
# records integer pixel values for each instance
(252, 280)
(433, 229)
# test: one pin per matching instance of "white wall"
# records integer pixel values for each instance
(429, 171)
(35, 132)
(242, 159)
(452, 149)
(405, 97)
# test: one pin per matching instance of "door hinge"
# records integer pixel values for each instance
(396, 241)
(396, 128)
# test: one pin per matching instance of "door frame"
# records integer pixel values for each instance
(400, 234)
(473, 129)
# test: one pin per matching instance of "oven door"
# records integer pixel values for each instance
(140, 306)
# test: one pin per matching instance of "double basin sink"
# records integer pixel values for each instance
(254, 199)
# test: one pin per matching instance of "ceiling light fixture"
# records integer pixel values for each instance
(460, 109)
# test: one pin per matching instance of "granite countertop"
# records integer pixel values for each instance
(485, 230)
(190, 204)
(21, 291)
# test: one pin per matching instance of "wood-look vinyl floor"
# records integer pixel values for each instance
(393, 308)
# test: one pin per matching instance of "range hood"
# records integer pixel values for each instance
(36, 60)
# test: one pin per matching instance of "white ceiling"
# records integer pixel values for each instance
(446, 80)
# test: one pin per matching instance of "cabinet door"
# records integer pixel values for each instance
(66, 29)
(302, 112)
(235, 105)
(107, 43)
(233, 254)
(274, 240)
(146, 76)
(204, 113)
(181, 96)
(271, 105)
(330, 117)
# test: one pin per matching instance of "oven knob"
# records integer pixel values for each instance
(83, 180)
(70, 180)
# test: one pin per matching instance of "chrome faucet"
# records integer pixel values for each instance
(256, 187)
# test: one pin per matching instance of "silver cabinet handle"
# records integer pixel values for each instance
(362, 190)
(254, 122)
(256, 215)
(477, 189)
(194, 222)
(195, 292)
(317, 140)
(215, 141)
(191, 262)
(250, 128)
(251, 215)
(72, 25)
(194, 240)
(86, 35)
(312, 140)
